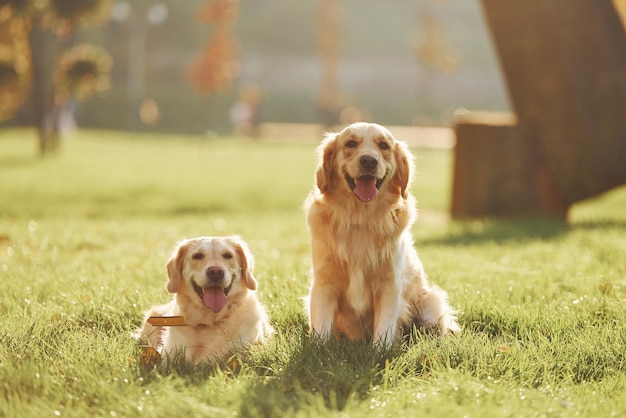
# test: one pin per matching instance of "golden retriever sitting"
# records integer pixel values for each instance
(213, 280)
(367, 278)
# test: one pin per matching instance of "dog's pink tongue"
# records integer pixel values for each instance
(214, 298)
(366, 188)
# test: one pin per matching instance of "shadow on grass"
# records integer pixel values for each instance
(293, 372)
(328, 376)
(12, 161)
(500, 231)
(600, 224)
(321, 375)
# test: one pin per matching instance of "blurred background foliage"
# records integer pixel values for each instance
(403, 62)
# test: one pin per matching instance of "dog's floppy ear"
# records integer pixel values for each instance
(326, 151)
(175, 267)
(404, 168)
(246, 260)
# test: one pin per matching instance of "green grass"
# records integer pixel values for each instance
(85, 234)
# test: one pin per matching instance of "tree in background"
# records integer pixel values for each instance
(216, 66)
(15, 61)
(35, 61)
(433, 52)
(329, 22)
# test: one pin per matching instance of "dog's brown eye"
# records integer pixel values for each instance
(384, 146)
(227, 256)
(351, 144)
(198, 256)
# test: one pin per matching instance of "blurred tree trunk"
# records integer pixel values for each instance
(565, 67)
(329, 26)
(45, 112)
(51, 27)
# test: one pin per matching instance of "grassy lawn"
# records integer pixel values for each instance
(85, 234)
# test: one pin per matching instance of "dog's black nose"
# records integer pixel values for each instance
(368, 162)
(215, 273)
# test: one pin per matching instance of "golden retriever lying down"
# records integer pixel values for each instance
(213, 280)
(367, 278)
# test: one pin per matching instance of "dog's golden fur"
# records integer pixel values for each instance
(368, 280)
(198, 269)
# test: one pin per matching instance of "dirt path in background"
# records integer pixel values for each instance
(415, 136)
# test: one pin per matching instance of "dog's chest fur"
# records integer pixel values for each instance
(367, 255)
(363, 241)
(368, 239)
(216, 336)
(200, 342)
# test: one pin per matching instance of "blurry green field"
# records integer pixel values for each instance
(85, 234)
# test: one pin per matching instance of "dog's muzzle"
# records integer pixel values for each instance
(366, 186)
(214, 297)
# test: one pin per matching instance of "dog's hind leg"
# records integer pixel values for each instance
(433, 311)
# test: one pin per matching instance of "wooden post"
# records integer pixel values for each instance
(497, 172)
